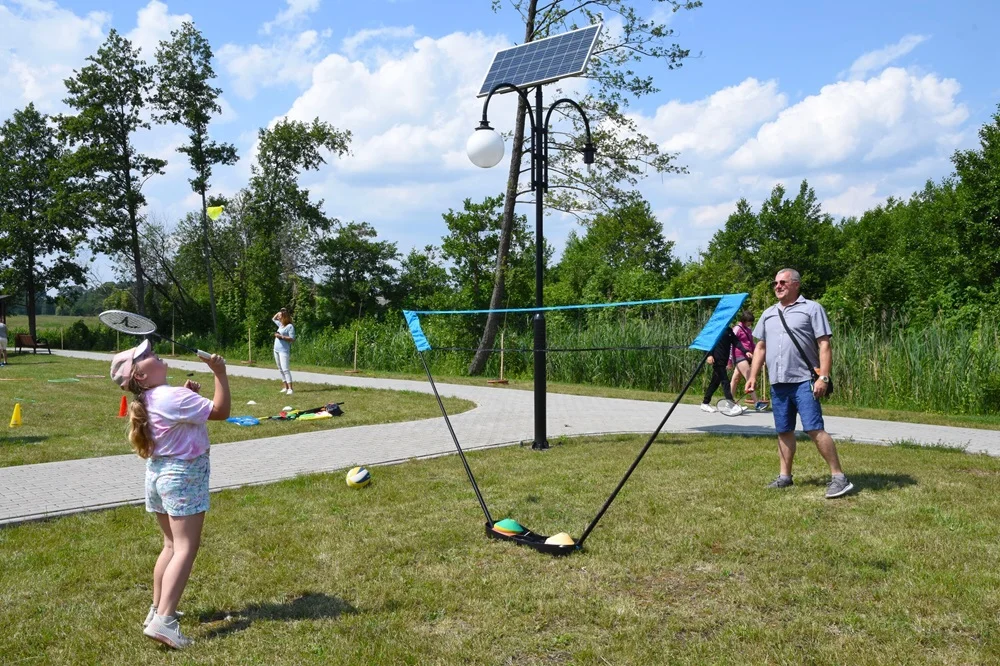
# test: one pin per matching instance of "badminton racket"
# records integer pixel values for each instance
(727, 407)
(134, 324)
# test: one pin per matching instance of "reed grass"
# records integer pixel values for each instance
(934, 368)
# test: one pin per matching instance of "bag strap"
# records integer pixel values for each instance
(791, 335)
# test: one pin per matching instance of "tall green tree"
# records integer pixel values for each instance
(357, 269)
(473, 239)
(185, 96)
(621, 250)
(111, 97)
(423, 281)
(978, 172)
(39, 232)
(279, 215)
(625, 154)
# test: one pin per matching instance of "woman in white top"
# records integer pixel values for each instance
(283, 347)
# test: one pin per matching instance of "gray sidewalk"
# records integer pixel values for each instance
(502, 416)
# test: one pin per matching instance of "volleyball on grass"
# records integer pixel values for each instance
(358, 477)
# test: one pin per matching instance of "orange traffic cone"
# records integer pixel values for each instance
(123, 410)
(15, 419)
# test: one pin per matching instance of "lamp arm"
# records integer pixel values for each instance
(566, 100)
(521, 94)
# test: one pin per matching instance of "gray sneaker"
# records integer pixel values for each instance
(152, 613)
(781, 482)
(838, 487)
(167, 631)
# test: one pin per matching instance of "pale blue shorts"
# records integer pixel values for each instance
(177, 487)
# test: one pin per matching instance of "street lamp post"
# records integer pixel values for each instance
(485, 148)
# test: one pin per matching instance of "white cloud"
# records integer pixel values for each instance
(853, 201)
(716, 123)
(856, 120)
(353, 43)
(876, 60)
(416, 109)
(154, 22)
(288, 60)
(41, 45)
(712, 215)
(291, 15)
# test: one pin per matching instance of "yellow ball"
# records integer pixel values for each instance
(358, 477)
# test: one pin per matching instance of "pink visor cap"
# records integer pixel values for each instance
(121, 364)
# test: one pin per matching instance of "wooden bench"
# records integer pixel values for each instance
(23, 340)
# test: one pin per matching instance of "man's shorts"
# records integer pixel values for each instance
(791, 400)
(177, 487)
(3, 344)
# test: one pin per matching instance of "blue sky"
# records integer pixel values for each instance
(865, 99)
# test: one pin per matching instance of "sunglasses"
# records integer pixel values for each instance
(783, 283)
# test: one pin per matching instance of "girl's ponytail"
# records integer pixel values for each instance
(138, 427)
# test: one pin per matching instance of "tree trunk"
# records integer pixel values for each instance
(206, 249)
(140, 285)
(29, 304)
(513, 175)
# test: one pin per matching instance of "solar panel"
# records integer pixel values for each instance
(542, 61)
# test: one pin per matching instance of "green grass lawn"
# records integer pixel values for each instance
(49, 321)
(79, 419)
(695, 563)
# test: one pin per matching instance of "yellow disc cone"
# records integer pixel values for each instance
(15, 419)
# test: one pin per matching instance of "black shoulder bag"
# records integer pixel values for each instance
(814, 372)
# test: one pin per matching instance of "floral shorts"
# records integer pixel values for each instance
(177, 487)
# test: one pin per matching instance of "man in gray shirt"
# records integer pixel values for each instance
(3, 343)
(793, 389)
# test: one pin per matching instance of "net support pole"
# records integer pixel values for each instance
(454, 438)
(635, 463)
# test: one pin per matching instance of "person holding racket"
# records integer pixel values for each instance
(167, 429)
(741, 358)
(718, 359)
(283, 339)
(794, 339)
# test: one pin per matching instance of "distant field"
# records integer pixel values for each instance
(48, 321)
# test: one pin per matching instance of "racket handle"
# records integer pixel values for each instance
(203, 354)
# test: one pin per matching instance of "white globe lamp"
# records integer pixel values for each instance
(485, 146)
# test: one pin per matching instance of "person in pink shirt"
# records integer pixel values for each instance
(741, 360)
(167, 429)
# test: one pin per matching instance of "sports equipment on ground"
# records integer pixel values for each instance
(134, 324)
(561, 539)
(358, 477)
(15, 418)
(561, 543)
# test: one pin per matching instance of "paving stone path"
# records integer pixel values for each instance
(501, 416)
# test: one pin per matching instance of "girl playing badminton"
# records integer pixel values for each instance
(283, 339)
(167, 429)
(741, 358)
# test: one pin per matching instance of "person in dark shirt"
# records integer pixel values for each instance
(718, 360)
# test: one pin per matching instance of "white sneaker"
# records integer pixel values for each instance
(707, 408)
(152, 612)
(737, 410)
(282, 389)
(167, 630)
(288, 392)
